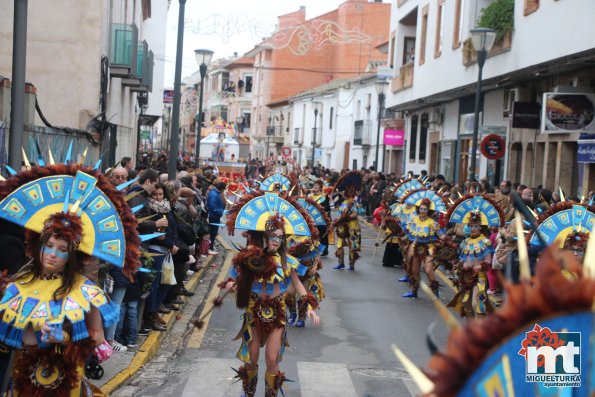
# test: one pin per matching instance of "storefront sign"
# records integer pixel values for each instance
(493, 146)
(526, 115)
(568, 112)
(394, 137)
(586, 151)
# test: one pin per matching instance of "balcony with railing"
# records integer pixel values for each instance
(274, 134)
(123, 50)
(362, 132)
(405, 78)
(142, 78)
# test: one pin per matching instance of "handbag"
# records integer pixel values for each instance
(167, 271)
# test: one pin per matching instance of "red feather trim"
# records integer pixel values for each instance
(66, 362)
(269, 314)
(310, 299)
(550, 294)
(254, 260)
(300, 249)
(129, 223)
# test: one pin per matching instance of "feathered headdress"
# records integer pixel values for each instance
(77, 203)
(350, 179)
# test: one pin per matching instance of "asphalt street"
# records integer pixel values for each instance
(347, 355)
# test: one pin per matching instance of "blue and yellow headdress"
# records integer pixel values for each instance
(409, 185)
(561, 220)
(281, 181)
(415, 198)
(253, 211)
(63, 199)
(463, 209)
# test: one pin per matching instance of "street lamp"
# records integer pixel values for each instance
(316, 106)
(380, 86)
(203, 58)
(482, 39)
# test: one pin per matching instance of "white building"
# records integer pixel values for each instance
(344, 115)
(435, 75)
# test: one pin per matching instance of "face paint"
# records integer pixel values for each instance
(59, 254)
(275, 239)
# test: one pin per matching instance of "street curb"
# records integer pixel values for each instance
(149, 348)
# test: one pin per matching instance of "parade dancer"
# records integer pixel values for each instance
(475, 255)
(478, 213)
(262, 274)
(402, 213)
(423, 231)
(51, 314)
(308, 252)
(348, 232)
(317, 194)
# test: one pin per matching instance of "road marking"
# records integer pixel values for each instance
(198, 334)
(325, 379)
(213, 379)
(216, 378)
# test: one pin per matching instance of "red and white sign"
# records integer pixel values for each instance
(286, 151)
(493, 147)
(394, 137)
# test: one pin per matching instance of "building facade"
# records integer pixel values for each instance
(89, 60)
(303, 54)
(435, 75)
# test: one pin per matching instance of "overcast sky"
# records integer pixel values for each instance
(228, 26)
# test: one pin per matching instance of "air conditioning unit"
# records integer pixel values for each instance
(510, 97)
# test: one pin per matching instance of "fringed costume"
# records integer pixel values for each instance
(347, 230)
(262, 278)
(477, 213)
(423, 231)
(308, 253)
(49, 317)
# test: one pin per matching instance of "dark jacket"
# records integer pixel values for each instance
(215, 205)
(146, 227)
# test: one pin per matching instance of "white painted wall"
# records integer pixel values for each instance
(541, 36)
(154, 32)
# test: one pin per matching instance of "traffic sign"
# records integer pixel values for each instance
(286, 151)
(493, 147)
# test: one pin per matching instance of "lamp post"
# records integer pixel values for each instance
(483, 39)
(316, 106)
(203, 58)
(380, 86)
(174, 146)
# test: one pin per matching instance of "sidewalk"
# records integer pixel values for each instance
(122, 365)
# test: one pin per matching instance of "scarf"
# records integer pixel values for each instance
(160, 207)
